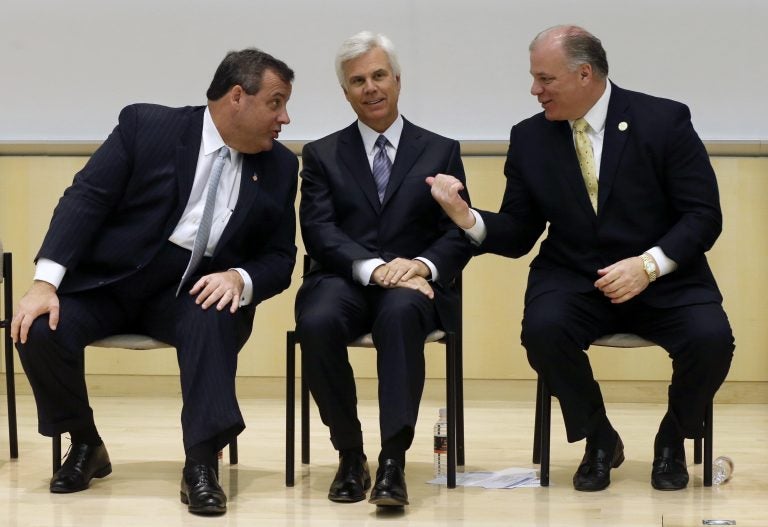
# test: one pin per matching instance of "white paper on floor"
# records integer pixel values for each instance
(508, 478)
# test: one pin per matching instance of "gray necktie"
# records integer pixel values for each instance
(204, 229)
(382, 167)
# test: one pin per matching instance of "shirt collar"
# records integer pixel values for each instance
(370, 135)
(212, 140)
(597, 115)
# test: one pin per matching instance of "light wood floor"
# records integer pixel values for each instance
(144, 442)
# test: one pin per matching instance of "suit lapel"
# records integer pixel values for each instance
(614, 140)
(186, 163)
(250, 175)
(408, 151)
(351, 152)
(565, 151)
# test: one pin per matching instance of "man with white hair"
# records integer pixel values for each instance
(384, 257)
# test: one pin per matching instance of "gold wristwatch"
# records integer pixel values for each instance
(649, 266)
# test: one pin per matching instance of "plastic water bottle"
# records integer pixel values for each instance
(441, 444)
(722, 470)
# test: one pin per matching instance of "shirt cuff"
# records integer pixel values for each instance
(477, 232)
(362, 270)
(246, 297)
(432, 268)
(664, 264)
(49, 271)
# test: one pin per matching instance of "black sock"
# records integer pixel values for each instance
(669, 434)
(395, 446)
(604, 436)
(88, 435)
(202, 454)
(352, 452)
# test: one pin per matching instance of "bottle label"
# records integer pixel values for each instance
(441, 445)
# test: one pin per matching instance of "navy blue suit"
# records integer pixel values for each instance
(343, 221)
(111, 229)
(656, 188)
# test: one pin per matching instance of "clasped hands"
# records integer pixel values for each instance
(402, 272)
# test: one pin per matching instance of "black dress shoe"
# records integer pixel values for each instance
(351, 480)
(390, 489)
(594, 473)
(200, 490)
(83, 463)
(669, 469)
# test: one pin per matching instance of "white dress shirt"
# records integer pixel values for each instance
(184, 233)
(362, 270)
(595, 117)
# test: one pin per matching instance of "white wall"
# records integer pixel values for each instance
(67, 67)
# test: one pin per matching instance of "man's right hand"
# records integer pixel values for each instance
(40, 299)
(445, 190)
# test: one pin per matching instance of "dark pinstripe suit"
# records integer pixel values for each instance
(110, 230)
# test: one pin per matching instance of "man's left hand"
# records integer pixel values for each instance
(623, 280)
(222, 289)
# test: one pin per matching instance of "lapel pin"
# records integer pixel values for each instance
(255, 177)
(623, 126)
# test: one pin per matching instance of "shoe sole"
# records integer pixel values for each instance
(103, 472)
(207, 510)
(388, 502)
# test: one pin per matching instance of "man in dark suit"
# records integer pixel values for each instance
(625, 253)
(119, 257)
(384, 260)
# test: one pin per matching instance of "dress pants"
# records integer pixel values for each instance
(207, 343)
(558, 326)
(331, 312)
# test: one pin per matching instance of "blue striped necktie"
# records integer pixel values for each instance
(204, 229)
(382, 167)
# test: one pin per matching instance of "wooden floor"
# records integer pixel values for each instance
(144, 442)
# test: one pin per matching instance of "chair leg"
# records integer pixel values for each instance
(450, 395)
(233, 451)
(10, 382)
(537, 425)
(290, 406)
(304, 415)
(459, 401)
(546, 418)
(56, 444)
(10, 390)
(708, 445)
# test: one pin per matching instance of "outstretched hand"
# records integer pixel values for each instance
(445, 190)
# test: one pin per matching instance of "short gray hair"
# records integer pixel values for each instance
(580, 47)
(360, 44)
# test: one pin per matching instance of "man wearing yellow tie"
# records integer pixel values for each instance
(631, 200)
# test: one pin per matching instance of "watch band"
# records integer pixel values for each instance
(649, 266)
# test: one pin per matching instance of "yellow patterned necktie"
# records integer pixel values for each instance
(586, 159)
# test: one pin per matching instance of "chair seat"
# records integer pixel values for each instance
(622, 340)
(130, 342)
(366, 341)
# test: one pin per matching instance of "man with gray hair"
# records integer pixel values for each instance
(630, 197)
(384, 258)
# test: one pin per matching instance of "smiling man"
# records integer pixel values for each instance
(179, 225)
(384, 255)
(626, 187)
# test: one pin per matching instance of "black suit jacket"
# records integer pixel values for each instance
(126, 201)
(342, 220)
(656, 188)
